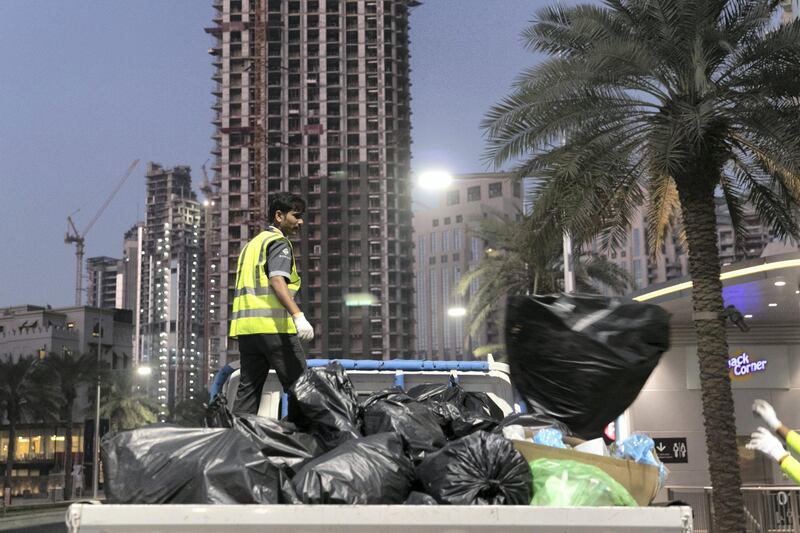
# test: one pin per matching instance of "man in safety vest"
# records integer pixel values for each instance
(265, 317)
(768, 444)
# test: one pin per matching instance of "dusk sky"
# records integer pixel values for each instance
(90, 85)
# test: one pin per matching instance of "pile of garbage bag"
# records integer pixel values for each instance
(577, 362)
(422, 447)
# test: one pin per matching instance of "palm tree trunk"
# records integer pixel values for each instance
(12, 449)
(68, 452)
(699, 218)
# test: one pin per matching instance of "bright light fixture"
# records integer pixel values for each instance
(748, 316)
(456, 311)
(144, 370)
(435, 179)
(780, 283)
(773, 305)
(765, 267)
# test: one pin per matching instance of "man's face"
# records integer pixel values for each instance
(289, 223)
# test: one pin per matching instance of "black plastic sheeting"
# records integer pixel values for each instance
(247, 463)
(459, 412)
(420, 498)
(218, 415)
(479, 469)
(370, 470)
(323, 402)
(393, 410)
(583, 359)
(533, 421)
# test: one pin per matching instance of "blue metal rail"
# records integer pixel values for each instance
(403, 364)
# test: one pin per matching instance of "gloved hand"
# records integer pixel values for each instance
(767, 414)
(304, 329)
(768, 444)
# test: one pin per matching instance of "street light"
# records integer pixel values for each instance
(144, 370)
(435, 179)
(96, 450)
(457, 312)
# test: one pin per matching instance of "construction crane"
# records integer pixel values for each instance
(79, 238)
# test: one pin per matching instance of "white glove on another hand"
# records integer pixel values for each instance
(304, 329)
(767, 414)
(768, 444)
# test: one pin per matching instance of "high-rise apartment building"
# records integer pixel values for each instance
(313, 98)
(171, 292)
(672, 260)
(446, 250)
(103, 282)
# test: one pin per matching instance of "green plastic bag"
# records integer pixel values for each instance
(562, 483)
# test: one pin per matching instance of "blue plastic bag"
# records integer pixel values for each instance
(549, 437)
(641, 448)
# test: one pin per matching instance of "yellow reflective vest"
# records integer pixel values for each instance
(256, 309)
(790, 465)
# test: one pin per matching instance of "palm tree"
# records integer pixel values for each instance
(71, 372)
(120, 402)
(521, 259)
(663, 103)
(26, 393)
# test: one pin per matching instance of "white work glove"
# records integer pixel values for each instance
(767, 414)
(768, 444)
(304, 329)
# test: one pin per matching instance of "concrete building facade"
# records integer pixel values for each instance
(171, 293)
(445, 251)
(103, 282)
(39, 331)
(313, 98)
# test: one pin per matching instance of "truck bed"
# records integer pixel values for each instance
(97, 518)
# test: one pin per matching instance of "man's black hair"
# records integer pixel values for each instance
(285, 202)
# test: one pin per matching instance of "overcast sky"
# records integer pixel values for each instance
(87, 86)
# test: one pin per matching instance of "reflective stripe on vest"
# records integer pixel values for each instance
(256, 308)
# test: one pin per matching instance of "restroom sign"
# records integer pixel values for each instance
(671, 449)
(742, 367)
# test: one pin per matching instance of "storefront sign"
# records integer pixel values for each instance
(741, 367)
(671, 450)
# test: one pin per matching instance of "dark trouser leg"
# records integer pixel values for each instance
(287, 357)
(254, 370)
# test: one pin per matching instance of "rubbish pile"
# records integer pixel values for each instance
(433, 444)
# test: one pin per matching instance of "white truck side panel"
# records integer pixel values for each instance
(88, 518)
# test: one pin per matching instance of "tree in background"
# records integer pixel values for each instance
(27, 393)
(70, 372)
(663, 103)
(521, 259)
(121, 402)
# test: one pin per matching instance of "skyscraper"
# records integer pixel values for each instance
(313, 98)
(447, 250)
(103, 282)
(171, 293)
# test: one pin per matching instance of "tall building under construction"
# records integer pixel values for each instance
(312, 97)
(170, 297)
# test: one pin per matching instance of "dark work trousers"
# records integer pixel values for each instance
(280, 351)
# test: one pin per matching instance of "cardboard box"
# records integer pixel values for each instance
(640, 480)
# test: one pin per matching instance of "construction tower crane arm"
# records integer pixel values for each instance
(110, 197)
(79, 238)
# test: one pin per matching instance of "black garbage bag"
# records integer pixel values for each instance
(420, 498)
(369, 470)
(583, 359)
(247, 463)
(533, 421)
(459, 412)
(323, 402)
(479, 469)
(218, 414)
(393, 410)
